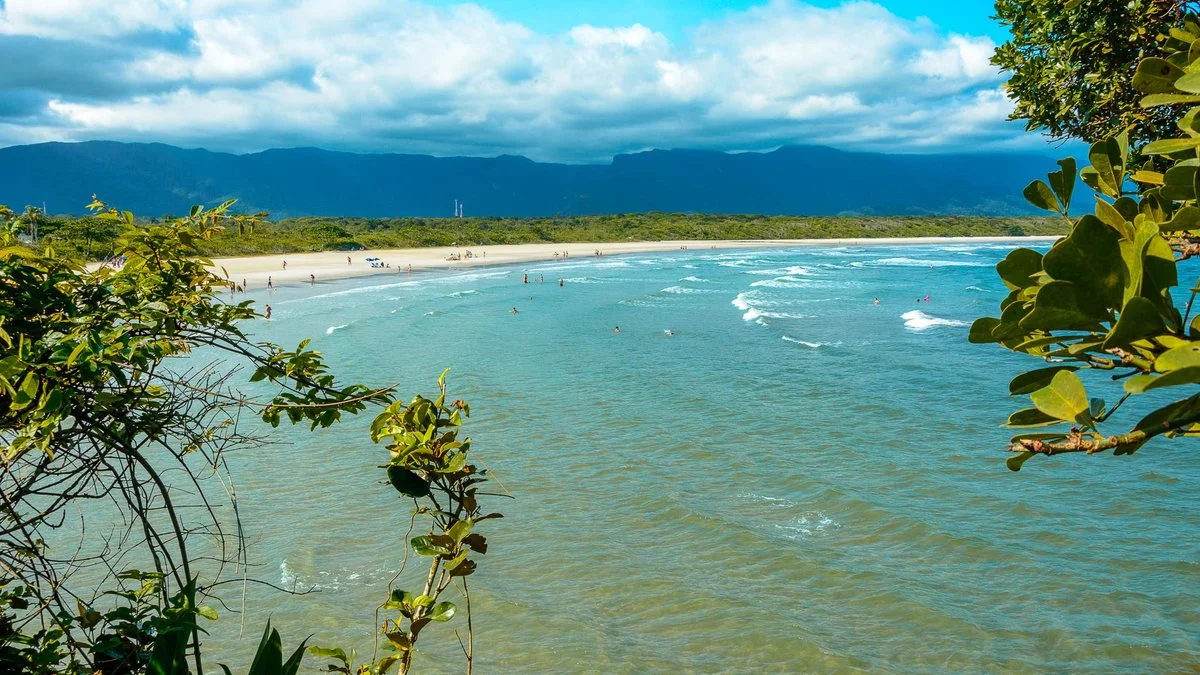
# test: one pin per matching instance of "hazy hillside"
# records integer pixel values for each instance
(155, 179)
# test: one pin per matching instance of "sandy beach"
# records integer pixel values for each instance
(326, 265)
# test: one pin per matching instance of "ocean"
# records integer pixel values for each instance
(763, 471)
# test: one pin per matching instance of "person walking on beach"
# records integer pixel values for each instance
(267, 314)
(244, 284)
(410, 268)
(270, 286)
(347, 260)
(285, 265)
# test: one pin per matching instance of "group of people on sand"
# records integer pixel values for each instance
(564, 254)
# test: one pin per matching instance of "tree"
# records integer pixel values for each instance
(30, 218)
(1099, 302)
(95, 406)
(1072, 64)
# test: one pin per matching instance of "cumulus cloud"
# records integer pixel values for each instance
(388, 76)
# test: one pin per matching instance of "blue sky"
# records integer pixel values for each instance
(676, 17)
(573, 80)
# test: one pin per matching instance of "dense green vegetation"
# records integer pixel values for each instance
(1098, 306)
(1072, 64)
(95, 239)
(105, 429)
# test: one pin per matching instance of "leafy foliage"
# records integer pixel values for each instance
(94, 405)
(1072, 64)
(1101, 298)
(431, 465)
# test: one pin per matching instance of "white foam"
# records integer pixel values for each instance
(782, 282)
(684, 290)
(459, 294)
(755, 314)
(918, 320)
(976, 288)
(810, 345)
(794, 270)
(809, 524)
(912, 262)
(741, 302)
(331, 329)
(694, 279)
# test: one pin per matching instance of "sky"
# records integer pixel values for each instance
(570, 80)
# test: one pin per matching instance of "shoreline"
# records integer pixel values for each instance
(331, 265)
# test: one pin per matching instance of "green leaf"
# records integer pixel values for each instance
(1014, 462)
(207, 612)
(1170, 146)
(1157, 76)
(1031, 417)
(981, 330)
(459, 530)
(269, 656)
(1040, 195)
(1089, 257)
(1064, 398)
(427, 545)
(1018, 266)
(1183, 356)
(1189, 83)
(443, 611)
(1155, 100)
(407, 483)
(1059, 305)
(1027, 383)
(1143, 383)
(1139, 319)
(1063, 182)
(1108, 159)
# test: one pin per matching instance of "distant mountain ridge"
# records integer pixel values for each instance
(153, 179)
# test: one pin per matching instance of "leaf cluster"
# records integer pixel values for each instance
(1101, 298)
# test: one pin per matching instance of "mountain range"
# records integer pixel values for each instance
(154, 179)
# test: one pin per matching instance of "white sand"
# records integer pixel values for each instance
(256, 270)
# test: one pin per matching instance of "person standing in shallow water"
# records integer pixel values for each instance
(312, 280)
(267, 314)
(560, 283)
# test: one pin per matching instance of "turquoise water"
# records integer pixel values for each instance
(795, 480)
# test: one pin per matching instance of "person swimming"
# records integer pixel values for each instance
(877, 301)
(616, 329)
(560, 283)
(668, 332)
(513, 311)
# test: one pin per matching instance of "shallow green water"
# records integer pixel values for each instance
(797, 480)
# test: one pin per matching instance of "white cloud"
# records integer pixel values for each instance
(380, 75)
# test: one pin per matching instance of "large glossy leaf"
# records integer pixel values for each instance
(1108, 159)
(1156, 76)
(1059, 305)
(1183, 356)
(1143, 383)
(1139, 319)
(1064, 398)
(1168, 146)
(981, 330)
(406, 482)
(1018, 266)
(1089, 257)
(443, 611)
(1031, 417)
(1040, 195)
(1027, 383)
